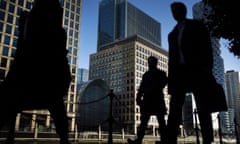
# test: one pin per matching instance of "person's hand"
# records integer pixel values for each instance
(139, 99)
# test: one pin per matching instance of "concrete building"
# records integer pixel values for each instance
(121, 65)
(9, 18)
(126, 38)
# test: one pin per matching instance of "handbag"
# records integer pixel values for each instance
(217, 98)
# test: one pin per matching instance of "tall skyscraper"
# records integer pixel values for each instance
(232, 79)
(9, 19)
(126, 38)
(119, 19)
(82, 75)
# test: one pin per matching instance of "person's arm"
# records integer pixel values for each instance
(164, 79)
(140, 93)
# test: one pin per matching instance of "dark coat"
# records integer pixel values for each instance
(151, 92)
(197, 52)
(195, 73)
(40, 73)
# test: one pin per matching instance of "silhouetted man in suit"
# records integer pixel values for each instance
(150, 98)
(190, 66)
(39, 77)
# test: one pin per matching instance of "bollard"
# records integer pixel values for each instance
(36, 131)
(99, 132)
(219, 129)
(123, 134)
(196, 126)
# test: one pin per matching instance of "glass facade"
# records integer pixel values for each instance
(106, 22)
(139, 23)
(94, 104)
(119, 19)
(82, 75)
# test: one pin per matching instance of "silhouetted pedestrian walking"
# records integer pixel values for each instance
(150, 98)
(190, 69)
(39, 77)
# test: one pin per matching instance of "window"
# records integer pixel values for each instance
(10, 19)
(1, 26)
(71, 24)
(11, 8)
(5, 51)
(76, 35)
(16, 32)
(67, 5)
(8, 29)
(28, 5)
(2, 15)
(3, 62)
(75, 52)
(66, 22)
(3, 4)
(78, 2)
(78, 10)
(76, 26)
(73, 8)
(13, 52)
(77, 18)
(15, 42)
(2, 74)
(66, 13)
(20, 2)
(75, 43)
(7, 40)
(72, 16)
(70, 32)
(74, 61)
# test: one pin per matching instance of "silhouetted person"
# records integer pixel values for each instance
(150, 98)
(190, 66)
(39, 77)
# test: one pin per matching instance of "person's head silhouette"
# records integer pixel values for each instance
(179, 11)
(152, 62)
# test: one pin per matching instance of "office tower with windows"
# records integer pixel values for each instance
(119, 19)
(232, 79)
(9, 20)
(126, 38)
(82, 75)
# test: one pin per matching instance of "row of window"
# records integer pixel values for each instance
(112, 52)
(119, 66)
(9, 29)
(72, 4)
(7, 40)
(6, 51)
(149, 53)
(12, 5)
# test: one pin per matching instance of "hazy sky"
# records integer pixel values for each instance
(157, 9)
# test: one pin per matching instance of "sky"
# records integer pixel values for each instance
(157, 9)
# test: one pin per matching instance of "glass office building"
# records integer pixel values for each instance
(119, 19)
(9, 20)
